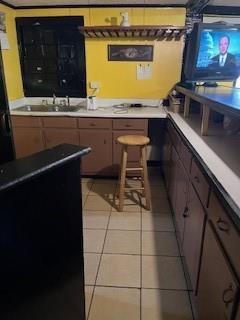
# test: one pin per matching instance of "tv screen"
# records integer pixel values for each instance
(213, 53)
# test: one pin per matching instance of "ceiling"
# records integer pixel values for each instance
(33, 3)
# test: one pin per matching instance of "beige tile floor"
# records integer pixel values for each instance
(133, 268)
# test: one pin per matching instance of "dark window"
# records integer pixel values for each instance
(52, 54)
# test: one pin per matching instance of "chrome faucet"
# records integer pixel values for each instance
(54, 98)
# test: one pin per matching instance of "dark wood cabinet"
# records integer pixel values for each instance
(166, 157)
(52, 56)
(193, 235)
(173, 177)
(217, 287)
(181, 203)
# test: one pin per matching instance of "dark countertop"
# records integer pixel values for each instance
(222, 99)
(16, 172)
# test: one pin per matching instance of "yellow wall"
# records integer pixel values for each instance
(11, 57)
(117, 79)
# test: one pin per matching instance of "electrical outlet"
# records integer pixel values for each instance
(94, 84)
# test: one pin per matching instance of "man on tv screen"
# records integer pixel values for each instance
(224, 59)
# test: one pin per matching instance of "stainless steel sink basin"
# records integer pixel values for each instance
(48, 108)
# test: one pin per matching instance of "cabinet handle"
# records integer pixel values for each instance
(228, 295)
(128, 126)
(223, 225)
(39, 68)
(185, 212)
(104, 141)
(92, 124)
(196, 179)
(40, 81)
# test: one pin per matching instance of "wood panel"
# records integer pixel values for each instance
(26, 122)
(53, 137)
(193, 235)
(217, 287)
(27, 141)
(99, 160)
(94, 123)
(200, 183)
(130, 124)
(59, 122)
(228, 234)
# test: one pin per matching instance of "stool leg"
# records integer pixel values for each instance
(145, 178)
(142, 176)
(122, 177)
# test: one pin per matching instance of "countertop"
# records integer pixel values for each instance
(103, 112)
(222, 99)
(16, 172)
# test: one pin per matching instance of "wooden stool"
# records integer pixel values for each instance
(127, 141)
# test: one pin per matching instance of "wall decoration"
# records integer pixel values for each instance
(130, 52)
(3, 32)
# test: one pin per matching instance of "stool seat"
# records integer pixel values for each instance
(133, 140)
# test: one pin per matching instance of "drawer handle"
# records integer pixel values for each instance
(223, 225)
(228, 295)
(92, 124)
(128, 126)
(196, 179)
(186, 212)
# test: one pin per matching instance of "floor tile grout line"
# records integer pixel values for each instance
(145, 288)
(132, 254)
(101, 254)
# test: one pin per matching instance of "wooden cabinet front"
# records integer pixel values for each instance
(217, 286)
(227, 232)
(181, 203)
(54, 137)
(193, 235)
(99, 160)
(27, 141)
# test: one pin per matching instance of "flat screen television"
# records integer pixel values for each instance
(213, 53)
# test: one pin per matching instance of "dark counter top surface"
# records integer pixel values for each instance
(223, 99)
(18, 171)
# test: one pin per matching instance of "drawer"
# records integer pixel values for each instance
(59, 122)
(87, 123)
(130, 124)
(186, 157)
(228, 234)
(175, 138)
(200, 183)
(27, 122)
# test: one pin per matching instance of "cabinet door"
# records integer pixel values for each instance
(166, 157)
(181, 208)
(217, 288)
(99, 160)
(172, 177)
(193, 233)
(27, 141)
(54, 137)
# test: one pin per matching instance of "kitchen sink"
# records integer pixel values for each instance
(48, 108)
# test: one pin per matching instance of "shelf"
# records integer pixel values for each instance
(154, 32)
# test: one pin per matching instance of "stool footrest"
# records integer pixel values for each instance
(133, 188)
(134, 169)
